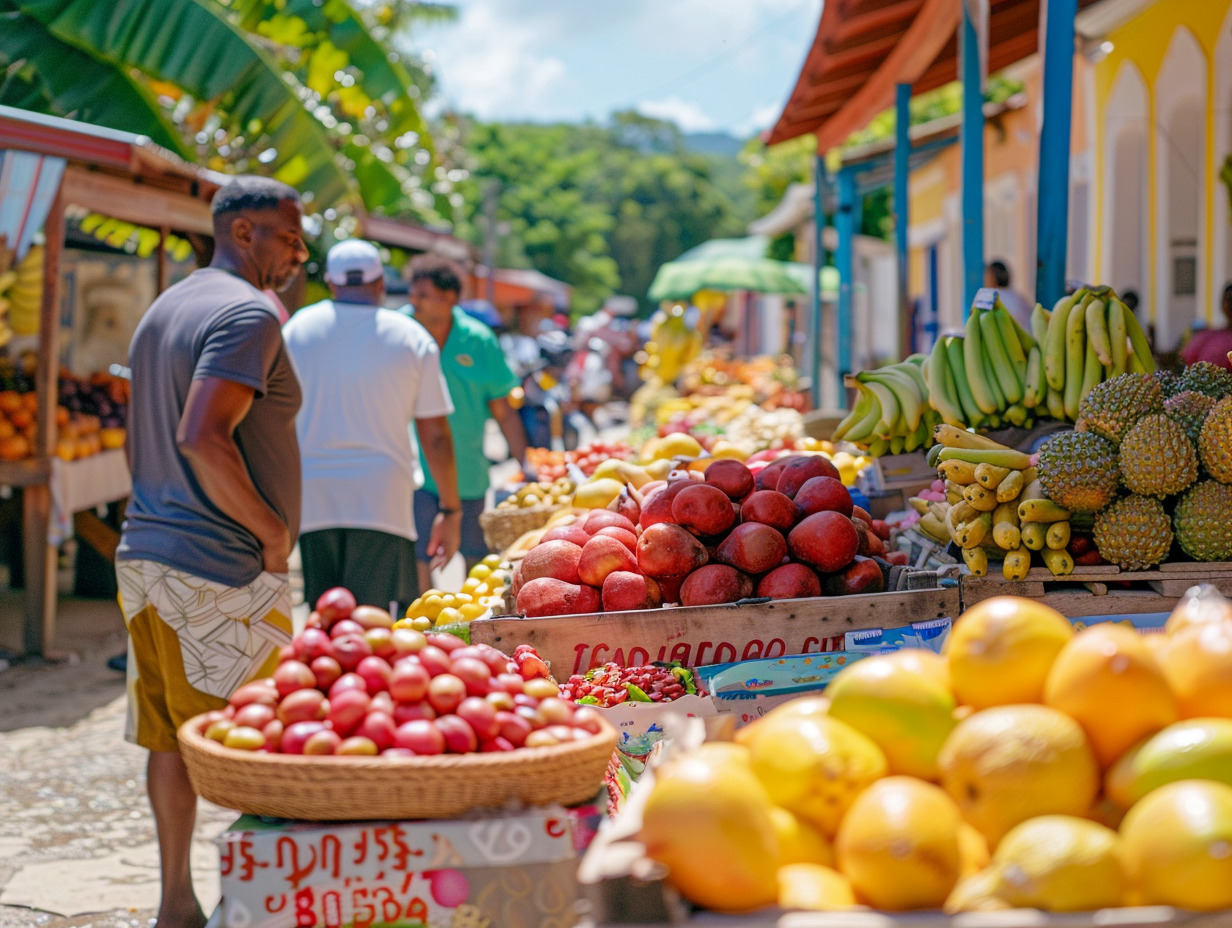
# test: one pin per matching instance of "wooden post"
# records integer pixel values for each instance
(844, 259)
(972, 140)
(816, 342)
(902, 171)
(1052, 225)
(36, 515)
(160, 269)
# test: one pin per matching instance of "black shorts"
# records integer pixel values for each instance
(427, 506)
(379, 568)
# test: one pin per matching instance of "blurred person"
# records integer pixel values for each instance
(202, 560)
(997, 275)
(1213, 344)
(479, 381)
(368, 374)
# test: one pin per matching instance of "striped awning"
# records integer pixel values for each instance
(28, 184)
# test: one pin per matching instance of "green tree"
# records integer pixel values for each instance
(307, 91)
(600, 207)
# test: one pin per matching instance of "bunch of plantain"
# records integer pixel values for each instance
(21, 289)
(892, 413)
(994, 504)
(999, 373)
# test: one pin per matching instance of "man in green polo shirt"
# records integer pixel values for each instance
(479, 382)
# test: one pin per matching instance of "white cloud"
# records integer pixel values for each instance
(687, 115)
(495, 63)
(761, 118)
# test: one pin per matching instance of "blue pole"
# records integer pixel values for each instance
(1057, 24)
(972, 140)
(845, 225)
(819, 222)
(902, 171)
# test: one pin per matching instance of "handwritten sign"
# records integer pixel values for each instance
(301, 875)
(702, 635)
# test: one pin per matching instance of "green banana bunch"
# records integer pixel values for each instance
(891, 413)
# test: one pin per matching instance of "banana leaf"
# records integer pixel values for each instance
(191, 44)
(316, 28)
(53, 77)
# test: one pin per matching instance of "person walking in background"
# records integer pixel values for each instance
(997, 275)
(368, 374)
(214, 510)
(1213, 344)
(479, 382)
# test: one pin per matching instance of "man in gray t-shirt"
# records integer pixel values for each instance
(215, 505)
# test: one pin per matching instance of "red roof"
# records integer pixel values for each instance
(864, 47)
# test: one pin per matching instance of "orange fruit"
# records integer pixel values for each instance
(1001, 649)
(899, 845)
(1108, 681)
(708, 821)
(900, 701)
(1202, 605)
(1010, 763)
(1177, 846)
(1197, 663)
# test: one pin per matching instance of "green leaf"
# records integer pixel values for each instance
(636, 693)
(192, 44)
(64, 81)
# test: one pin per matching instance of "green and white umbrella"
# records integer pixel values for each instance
(679, 280)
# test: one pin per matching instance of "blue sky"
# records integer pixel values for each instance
(705, 64)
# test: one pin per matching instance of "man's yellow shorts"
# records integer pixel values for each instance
(192, 642)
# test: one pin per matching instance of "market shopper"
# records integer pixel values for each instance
(202, 562)
(997, 275)
(368, 374)
(1213, 344)
(479, 382)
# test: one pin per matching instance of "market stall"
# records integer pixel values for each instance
(65, 164)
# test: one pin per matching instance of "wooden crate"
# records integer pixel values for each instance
(1102, 590)
(700, 635)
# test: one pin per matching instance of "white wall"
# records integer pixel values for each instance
(1124, 261)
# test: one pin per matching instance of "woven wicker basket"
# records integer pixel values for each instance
(502, 527)
(324, 789)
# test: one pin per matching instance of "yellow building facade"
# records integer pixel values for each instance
(1149, 213)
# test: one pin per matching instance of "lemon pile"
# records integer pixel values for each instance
(557, 493)
(1031, 765)
(482, 591)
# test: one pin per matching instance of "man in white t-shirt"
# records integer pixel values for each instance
(367, 374)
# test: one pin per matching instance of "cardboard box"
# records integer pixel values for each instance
(512, 870)
(641, 724)
(750, 689)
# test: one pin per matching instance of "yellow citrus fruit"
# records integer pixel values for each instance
(708, 821)
(799, 841)
(1197, 662)
(973, 848)
(814, 888)
(1001, 649)
(431, 606)
(492, 561)
(472, 611)
(480, 571)
(1108, 681)
(1195, 749)
(976, 893)
(806, 707)
(902, 703)
(1177, 846)
(1060, 863)
(1010, 763)
(898, 845)
(678, 445)
(1200, 606)
(471, 585)
(815, 767)
(448, 616)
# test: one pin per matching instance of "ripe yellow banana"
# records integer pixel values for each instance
(1058, 561)
(976, 560)
(1034, 535)
(1016, 564)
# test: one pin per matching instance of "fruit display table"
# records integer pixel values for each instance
(700, 635)
(1102, 590)
(84, 484)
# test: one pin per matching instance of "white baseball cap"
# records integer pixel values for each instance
(353, 263)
